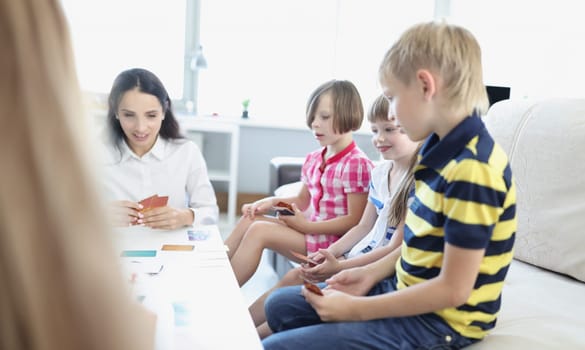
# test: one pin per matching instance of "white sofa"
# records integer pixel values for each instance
(543, 302)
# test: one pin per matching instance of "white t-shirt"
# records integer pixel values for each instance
(380, 197)
(174, 168)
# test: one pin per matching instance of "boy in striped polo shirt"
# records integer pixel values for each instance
(443, 288)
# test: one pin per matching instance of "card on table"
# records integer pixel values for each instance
(138, 253)
(183, 312)
(178, 247)
(197, 235)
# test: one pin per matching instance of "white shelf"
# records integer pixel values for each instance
(230, 127)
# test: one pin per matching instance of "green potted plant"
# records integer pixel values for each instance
(245, 105)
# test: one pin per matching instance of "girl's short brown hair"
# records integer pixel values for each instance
(348, 110)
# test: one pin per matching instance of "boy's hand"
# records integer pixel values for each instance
(333, 306)
(356, 281)
(327, 268)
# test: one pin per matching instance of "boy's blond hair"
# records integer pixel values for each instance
(449, 51)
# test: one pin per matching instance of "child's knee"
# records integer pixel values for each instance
(278, 303)
(291, 278)
(258, 229)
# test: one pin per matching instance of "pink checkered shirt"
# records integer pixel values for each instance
(344, 173)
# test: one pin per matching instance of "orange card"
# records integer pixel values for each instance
(179, 247)
(160, 201)
(313, 288)
(147, 202)
(153, 201)
(304, 258)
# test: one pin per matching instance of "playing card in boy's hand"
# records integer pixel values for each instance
(312, 288)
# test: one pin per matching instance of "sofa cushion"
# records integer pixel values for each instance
(546, 143)
(540, 310)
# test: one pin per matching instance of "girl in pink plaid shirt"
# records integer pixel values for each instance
(335, 180)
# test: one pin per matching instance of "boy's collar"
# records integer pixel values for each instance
(437, 153)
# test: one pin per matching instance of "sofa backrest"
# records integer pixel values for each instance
(545, 142)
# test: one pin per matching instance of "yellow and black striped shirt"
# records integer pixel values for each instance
(465, 195)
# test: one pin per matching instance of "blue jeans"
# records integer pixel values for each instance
(297, 326)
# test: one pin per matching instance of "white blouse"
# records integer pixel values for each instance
(174, 168)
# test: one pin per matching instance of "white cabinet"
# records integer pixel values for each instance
(223, 133)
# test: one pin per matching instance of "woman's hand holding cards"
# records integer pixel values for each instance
(167, 218)
(125, 213)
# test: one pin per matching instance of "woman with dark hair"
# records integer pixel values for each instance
(147, 155)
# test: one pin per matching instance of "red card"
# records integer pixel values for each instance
(147, 202)
(313, 288)
(305, 259)
(153, 202)
(159, 202)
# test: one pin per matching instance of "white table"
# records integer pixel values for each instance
(195, 296)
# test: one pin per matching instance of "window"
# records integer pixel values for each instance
(275, 53)
(531, 46)
(271, 52)
(110, 36)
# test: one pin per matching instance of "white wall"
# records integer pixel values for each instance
(258, 145)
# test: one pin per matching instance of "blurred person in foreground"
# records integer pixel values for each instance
(61, 285)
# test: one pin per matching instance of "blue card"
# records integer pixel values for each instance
(197, 235)
(182, 311)
(138, 253)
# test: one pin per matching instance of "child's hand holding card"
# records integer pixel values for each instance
(304, 259)
(283, 208)
(313, 288)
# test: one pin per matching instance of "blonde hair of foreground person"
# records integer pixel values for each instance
(61, 286)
